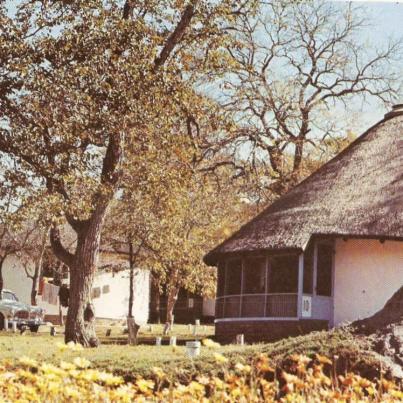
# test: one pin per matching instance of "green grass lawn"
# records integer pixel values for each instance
(148, 333)
(132, 361)
(122, 359)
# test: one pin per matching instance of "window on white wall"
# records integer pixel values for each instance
(106, 289)
(96, 292)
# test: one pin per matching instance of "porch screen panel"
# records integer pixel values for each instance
(253, 306)
(233, 277)
(220, 279)
(282, 305)
(219, 308)
(254, 276)
(325, 263)
(232, 307)
(283, 274)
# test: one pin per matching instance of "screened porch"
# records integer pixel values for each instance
(277, 286)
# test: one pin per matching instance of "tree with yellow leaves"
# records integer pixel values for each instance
(83, 85)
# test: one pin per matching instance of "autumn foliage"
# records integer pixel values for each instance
(306, 379)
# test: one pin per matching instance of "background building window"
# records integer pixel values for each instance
(96, 292)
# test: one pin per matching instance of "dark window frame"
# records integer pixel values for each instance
(324, 277)
(309, 262)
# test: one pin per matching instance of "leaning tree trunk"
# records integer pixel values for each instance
(132, 327)
(171, 301)
(131, 280)
(80, 323)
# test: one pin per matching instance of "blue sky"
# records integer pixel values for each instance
(387, 22)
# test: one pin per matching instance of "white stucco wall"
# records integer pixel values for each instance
(113, 305)
(367, 274)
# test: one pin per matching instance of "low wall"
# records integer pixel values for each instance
(257, 331)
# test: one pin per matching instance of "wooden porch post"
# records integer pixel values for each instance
(300, 284)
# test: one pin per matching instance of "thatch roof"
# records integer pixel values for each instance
(358, 193)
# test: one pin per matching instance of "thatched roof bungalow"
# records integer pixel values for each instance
(328, 251)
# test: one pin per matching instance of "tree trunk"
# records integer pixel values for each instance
(2, 259)
(158, 305)
(80, 323)
(61, 319)
(132, 327)
(38, 269)
(131, 280)
(155, 299)
(171, 301)
(133, 330)
(299, 149)
(35, 281)
(35, 285)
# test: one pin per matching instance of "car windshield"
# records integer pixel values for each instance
(9, 296)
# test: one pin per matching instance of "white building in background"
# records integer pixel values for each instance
(110, 290)
(114, 298)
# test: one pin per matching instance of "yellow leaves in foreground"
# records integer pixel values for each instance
(210, 343)
(70, 346)
(304, 380)
(81, 362)
(220, 358)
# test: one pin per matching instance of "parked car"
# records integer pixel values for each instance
(14, 310)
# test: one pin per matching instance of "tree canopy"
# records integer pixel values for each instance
(85, 85)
